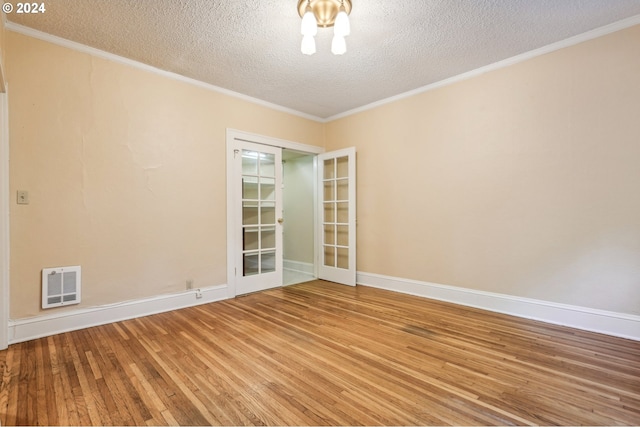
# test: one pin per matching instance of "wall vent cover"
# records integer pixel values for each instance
(60, 286)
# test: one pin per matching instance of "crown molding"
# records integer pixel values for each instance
(571, 41)
(79, 47)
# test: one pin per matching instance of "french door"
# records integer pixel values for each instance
(337, 212)
(255, 213)
(257, 176)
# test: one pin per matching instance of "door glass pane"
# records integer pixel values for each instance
(329, 234)
(267, 188)
(268, 262)
(329, 212)
(343, 258)
(329, 256)
(342, 166)
(343, 235)
(249, 213)
(343, 189)
(250, 238)
(268, 213)
(250, 264)
(268, 238)
(249, 162)
(328, 190)
(329, 170)
(267, 165)
(249, 187)
(343, 212)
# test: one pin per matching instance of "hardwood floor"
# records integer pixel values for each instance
(322, 354)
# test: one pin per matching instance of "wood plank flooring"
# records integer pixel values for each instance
(322, 354)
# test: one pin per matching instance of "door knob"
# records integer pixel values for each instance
(280, 220)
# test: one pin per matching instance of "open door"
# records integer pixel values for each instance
(257, 210)
(255, 247)
(337, 214)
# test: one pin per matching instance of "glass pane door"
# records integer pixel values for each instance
(337, 227)
(258, 171)
(258, 213)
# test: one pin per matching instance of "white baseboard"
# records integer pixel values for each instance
(41, 326)
(605, 322)
(302, 267)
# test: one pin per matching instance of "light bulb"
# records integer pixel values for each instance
(338, 45)
(308, 46)
(342, 26)
(309, 25)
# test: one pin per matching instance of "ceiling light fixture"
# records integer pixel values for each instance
(324, 13)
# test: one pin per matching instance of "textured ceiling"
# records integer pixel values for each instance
(253, 47)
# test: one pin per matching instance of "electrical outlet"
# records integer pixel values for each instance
(198, 293)
(189, 284)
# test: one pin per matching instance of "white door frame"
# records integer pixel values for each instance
(237, 135)
(4, 221)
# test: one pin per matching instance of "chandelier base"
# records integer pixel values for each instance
(324, 10)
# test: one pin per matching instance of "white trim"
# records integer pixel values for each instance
(589, 319)
(231, 219)
(571, 41)
(21, 29)
(300, 267)
(607, 322)
(240, 135)
(4, 221)
(316, 218)
(42, 326)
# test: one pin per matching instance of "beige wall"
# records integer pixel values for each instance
(125, 171)
(2, 53)
(298, 202)
(523, 181)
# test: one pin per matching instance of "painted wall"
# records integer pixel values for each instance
(126, 174)
(522, 181)
(298, 202)
(2, 52)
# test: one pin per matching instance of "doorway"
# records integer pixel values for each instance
(299, 196)
(296, 216)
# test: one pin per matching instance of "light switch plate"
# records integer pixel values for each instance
(23, 197)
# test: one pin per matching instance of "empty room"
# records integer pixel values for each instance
(320, 212)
